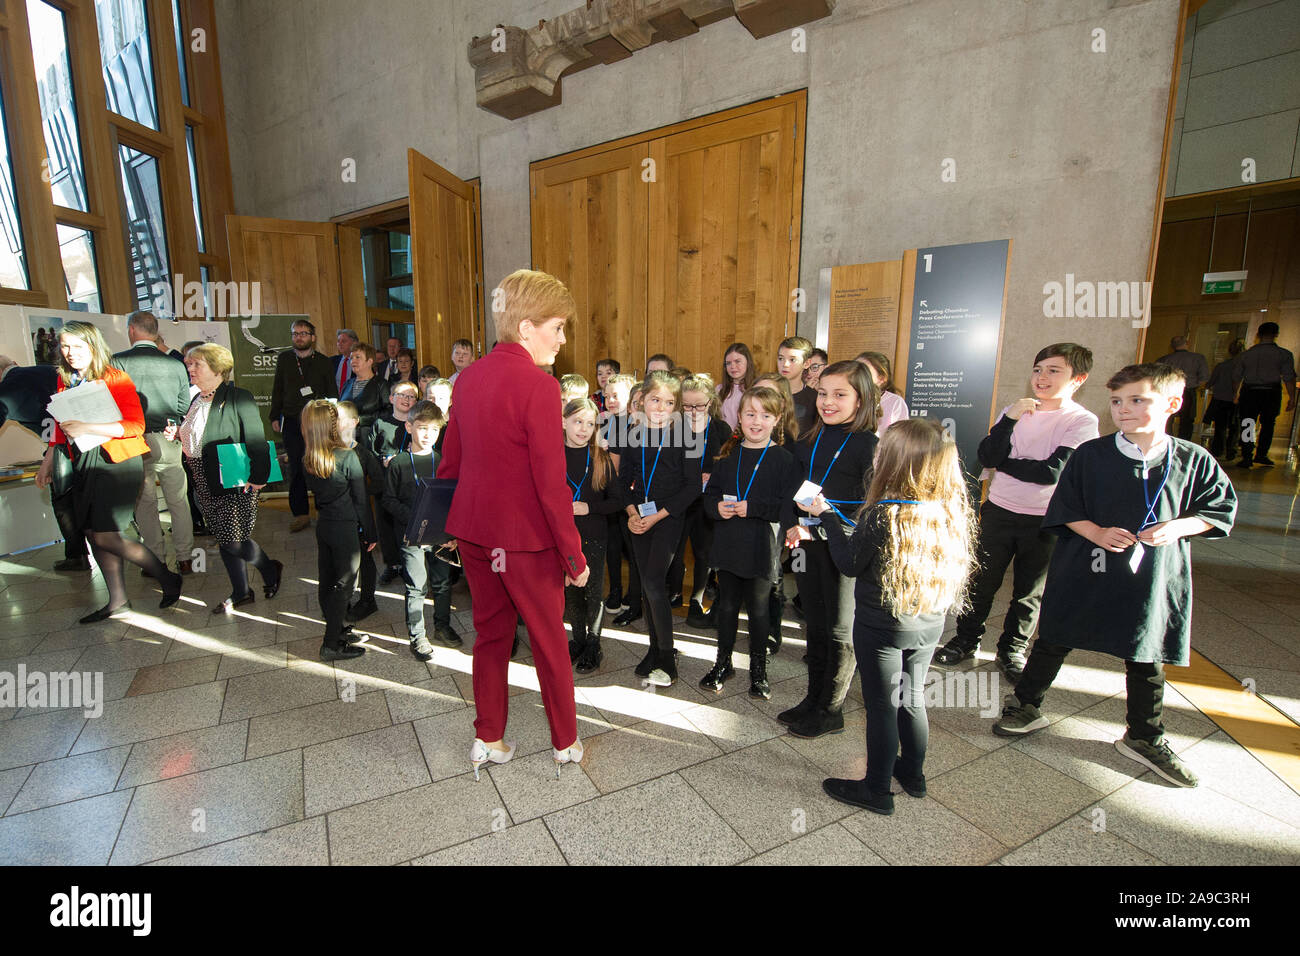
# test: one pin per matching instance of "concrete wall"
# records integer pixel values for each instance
(1238, 96)
(1056, 146)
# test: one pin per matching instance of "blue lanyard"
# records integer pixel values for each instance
(651, 480)
(739, 457)
(1152, 502)
(813, 457)
(415, 474)
(577, 489)
(897, 501)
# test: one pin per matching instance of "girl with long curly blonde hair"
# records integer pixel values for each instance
(912, 551)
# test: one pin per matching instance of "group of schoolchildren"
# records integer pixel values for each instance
(875, 509)
(822, 466)
(366, 473)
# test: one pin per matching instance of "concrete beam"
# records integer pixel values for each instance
(517, 72)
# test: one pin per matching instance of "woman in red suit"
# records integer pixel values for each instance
(105, 480)
(512, 514)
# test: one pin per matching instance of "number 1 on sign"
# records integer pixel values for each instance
(929, 258)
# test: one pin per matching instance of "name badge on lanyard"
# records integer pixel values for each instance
(647, 509)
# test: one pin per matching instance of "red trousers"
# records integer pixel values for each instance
(504, 586)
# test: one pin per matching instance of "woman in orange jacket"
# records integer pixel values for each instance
(105, 480)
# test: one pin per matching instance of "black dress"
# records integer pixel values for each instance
(103, 491)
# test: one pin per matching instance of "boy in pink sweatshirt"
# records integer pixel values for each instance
(1029, 446)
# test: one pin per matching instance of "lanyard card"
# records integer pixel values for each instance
(730, 498)
(810, 522)
(1136, 558)
(647, 508)
(305, 390)
(807, 492)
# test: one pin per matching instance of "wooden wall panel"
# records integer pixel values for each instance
(705, 254)
(722, 239)
(444, 259)
(589, 230)
(297, 266)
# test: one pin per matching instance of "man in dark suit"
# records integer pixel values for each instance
(387, 369)
(24, 393)
(512, 513)
(346, 341)
(164, 388)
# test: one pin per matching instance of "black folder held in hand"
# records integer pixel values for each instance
(428, 525)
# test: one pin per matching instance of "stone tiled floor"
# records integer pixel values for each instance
(229, 742)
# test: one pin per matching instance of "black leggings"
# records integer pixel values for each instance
(698, 530)
(236, 557)
(828, 603)
(614, 555)
(654, 552)
(111, 549)
(893, 689)
(755, 593)
(338, 559)
(581, 605)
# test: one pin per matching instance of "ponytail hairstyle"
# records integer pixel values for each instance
(769, 400)
(859, 379)
(751, 376)
(880, 362)
(929, 552)
(602, 465)
(776, 382)
(320, 436)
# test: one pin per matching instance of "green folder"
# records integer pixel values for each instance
(236, 467)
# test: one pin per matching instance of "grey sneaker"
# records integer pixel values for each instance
(1159, 757)
(1018, 719)
(660, 678)
(421, 648)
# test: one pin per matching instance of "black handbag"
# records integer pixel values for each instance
(60, 472)
(428, 524)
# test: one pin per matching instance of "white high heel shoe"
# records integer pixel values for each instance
(571, 754)
(480, 753)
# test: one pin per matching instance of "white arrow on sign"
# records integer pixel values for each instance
(924, 304)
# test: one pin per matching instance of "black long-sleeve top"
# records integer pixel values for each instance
(342, 496)
(676, 479)
(861, 556)
(995, 452)
(371, 466)
(292, 374)
(401, 485)
(844, 479)
(715, 436)
(601, 502)
(750, 547)
(371, 400)
(388, 436)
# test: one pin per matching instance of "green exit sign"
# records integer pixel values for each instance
(1226, 285)
(1218, 283)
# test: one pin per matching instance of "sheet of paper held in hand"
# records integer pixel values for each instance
(90, 402)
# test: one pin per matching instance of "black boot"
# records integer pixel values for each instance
(591, 655)
(819, 722)
(718, 676)
(759, 689)
(801, 710)
(695, 617)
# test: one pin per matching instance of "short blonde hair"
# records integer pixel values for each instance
(531, 296)
(216, 357)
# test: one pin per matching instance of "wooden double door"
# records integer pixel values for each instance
(314, 268)
(680, 241)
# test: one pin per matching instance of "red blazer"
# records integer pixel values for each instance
(130, 445)
(505, 446)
